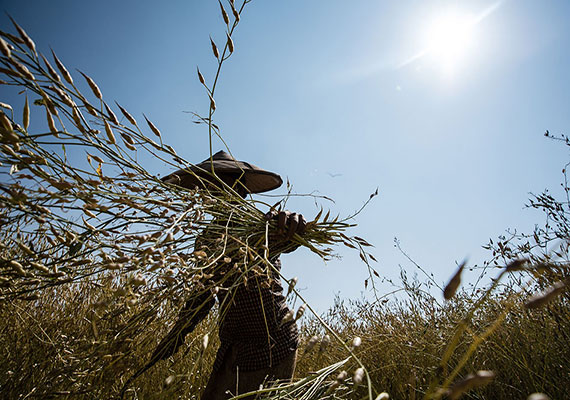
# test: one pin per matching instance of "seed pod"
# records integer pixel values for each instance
(200, 76)
(5, 49)
(205, 340)
(77, 120)
(342, 376)
(480, 378)
(18, 268)
(109, 133)
(50, 122)
(127, 138)
(50, 69)
(455, 281)
(89, 226)
(538, 396)
(111, 114)
(214, 48)
(300, 312)
(224, 13)
(168, 381)
(27, 40)
(235, 12)
(152, 127)
(25, 249)
(39, 267)
(128, 116)
(358, 376)
(89, 213)
(8, 150)
(383, 396)
(324, 343)
(356, 342)
(542, 299)
(311, 344)
(94, 88)
(230, 43)
(63, 96)
(516, 265)
(5, 122)
(292, 284)
(98, 159)
(23, 70)
(62, 69)
(288, 317)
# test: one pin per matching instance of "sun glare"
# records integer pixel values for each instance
(449, 40)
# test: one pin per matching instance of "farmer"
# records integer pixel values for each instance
(256, 343)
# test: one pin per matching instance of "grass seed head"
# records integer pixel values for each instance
(111, 114)
(214, 48)
(50, 122)
(5, 122)
(168, 381)
(23, 70)
(224, 14)
(356, 342)
(16, 266)
(152, 127)
(50, 69)
(62, 69)
(292, 284)
(542, 299)
(288, 317)
(109, 133)
(453, 285)
(342, 376)
(205, 340)
(478, 379)
(5, 49)
(358, 376)
(128, 116)
(300, 312)
(200, 76)
(538, 396)
(94, 88)
(311, 344)
(324, 343)
(516, 265)
(230, 43)
(235, 12)
(25, 38)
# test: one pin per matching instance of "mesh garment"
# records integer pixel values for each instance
(250, 321)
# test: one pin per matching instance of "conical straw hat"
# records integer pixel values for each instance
(255, 179)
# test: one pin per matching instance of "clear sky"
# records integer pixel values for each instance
(442, 105)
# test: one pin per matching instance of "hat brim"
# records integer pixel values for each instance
(255, 179)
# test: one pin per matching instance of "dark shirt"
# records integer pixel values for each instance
(250, 320)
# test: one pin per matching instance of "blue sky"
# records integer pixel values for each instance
(320, 88)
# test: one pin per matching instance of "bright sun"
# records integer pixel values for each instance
(449, 40)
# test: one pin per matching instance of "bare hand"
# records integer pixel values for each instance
(288, 223)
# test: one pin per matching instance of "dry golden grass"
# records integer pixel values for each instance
(95, 265)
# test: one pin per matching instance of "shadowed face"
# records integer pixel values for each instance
(232, 180)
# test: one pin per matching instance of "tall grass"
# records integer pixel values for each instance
(95, 265)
